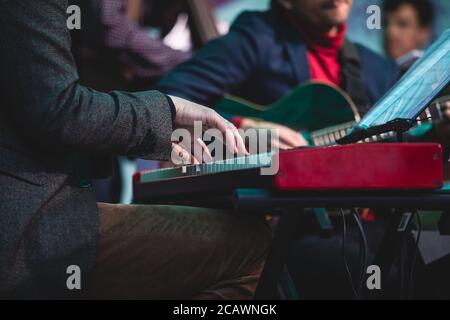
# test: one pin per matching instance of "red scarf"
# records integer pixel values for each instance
(323, 55)
(323, 59)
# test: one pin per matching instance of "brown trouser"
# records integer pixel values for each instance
(169, 252)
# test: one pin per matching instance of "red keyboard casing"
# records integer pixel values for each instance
(365, 166)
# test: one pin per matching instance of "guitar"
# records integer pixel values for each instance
(323, 113)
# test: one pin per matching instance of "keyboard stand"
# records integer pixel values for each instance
(395, 233)
(290, 205)
(274, 268)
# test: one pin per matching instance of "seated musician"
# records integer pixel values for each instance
(267, 54)
(54, 134)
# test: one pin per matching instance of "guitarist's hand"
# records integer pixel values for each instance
(288, 138)
(446, 110)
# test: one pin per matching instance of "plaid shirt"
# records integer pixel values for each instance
(105, 25)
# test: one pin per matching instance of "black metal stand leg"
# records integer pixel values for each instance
(389, 247)
(444, 223)
(279, 251)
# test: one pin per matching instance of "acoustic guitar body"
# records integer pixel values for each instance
(309, 107)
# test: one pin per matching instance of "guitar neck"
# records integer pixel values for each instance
(329, 136)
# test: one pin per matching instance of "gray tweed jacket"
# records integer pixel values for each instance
(54, 134)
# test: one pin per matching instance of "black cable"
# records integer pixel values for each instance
(361, 256)
(403, 258)
(344, 235)
(416, 251)
(365, 250)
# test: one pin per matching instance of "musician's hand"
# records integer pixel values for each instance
(189, 112)
(446, 110)
(288, 138)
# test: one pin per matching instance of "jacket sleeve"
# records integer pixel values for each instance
(40, 84)
(217, 68)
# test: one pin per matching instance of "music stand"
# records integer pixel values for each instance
(399, 108)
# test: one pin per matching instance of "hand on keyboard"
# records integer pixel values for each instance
(188, 113)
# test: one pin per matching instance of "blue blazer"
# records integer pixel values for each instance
(261, 59)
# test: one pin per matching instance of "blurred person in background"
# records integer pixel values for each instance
(407, 29)
(121, 42)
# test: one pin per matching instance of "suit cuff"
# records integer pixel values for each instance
(173, 110)
(157, 144)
